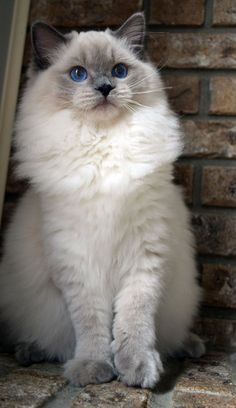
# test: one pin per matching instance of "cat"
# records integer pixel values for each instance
(98, 270)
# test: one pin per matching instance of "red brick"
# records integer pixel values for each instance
(219, 284)
(193, 50)
(224, 13)
(83, 13)
(210, 138)
(183, 93)
(219, 186)
(174, 13)
(184, 177)
(215, 234)
(223, 95)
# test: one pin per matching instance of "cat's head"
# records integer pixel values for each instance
(98, 75)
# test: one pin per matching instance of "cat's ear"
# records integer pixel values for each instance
(45, 40)
(133, 30)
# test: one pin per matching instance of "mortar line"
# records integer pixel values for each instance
(146, 8)
(197, 186)
(218, 313)
(159, 29)
(146, 11)
(204, 101)
(208, 161)
(201, 72)
(215, 260)
(210, 118)
(209, 4)
(152, 28)
(228, 212)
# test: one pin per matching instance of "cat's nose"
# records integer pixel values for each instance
(105, 89)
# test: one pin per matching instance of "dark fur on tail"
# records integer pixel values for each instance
(6, 342)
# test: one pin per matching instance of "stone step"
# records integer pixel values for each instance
(208, 382)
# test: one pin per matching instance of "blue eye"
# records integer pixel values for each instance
(78, 74)
(119, 71)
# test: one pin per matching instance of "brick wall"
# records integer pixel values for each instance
(193, 42)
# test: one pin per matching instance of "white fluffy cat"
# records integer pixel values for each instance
(98, 268)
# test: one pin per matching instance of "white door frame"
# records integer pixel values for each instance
(11, 79)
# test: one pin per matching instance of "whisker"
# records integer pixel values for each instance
(131, 108)
(141, 80)
(136, 103)
(128, 108)
(152, 90)
(139, 104)
(69, 92)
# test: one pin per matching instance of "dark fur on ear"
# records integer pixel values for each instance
(133, 30)
(44, 40)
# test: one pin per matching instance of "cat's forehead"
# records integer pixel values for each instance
(96, 48)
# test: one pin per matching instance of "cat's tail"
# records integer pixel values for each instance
(6, 343)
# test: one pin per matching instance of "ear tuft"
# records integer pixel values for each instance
(133, 30)
(45, 40)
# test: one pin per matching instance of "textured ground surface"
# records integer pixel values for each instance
(205, 383)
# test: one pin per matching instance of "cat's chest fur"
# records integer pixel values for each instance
(86, 236)
(96, 185)
(65, 156)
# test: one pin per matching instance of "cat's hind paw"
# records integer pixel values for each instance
(83, 372)
(29, 353)
(193, 347)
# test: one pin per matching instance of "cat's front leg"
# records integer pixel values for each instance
(91, 316)
(134, 346)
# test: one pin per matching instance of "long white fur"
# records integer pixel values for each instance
(102, 238)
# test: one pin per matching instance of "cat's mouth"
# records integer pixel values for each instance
(103, 104)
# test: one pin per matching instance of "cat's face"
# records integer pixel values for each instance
(99, 75)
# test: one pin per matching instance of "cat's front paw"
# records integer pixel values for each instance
(82, 372)
(140, 369)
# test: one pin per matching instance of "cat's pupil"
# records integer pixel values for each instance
(78, 74)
